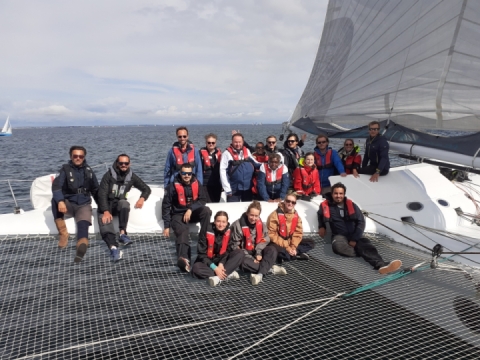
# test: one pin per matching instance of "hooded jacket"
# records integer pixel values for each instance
(238, 239)
(273, 227)
(275, 190)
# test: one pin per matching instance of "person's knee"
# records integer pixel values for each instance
(340, 247)
(123, 205)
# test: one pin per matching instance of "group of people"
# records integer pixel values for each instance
(195, 177)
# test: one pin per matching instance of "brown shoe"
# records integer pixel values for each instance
(82, 246)
(62, 233)
(391, 267)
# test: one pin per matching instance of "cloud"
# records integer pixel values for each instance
(52, 110)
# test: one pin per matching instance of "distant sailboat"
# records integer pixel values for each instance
(7, 128)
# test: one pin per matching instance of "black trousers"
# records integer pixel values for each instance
(305, 246)
(363, 248)
(370, 170)
(240, 195)
(269, 254)
(120, 208)
(214, 193)
(181, 229)
(234, 260)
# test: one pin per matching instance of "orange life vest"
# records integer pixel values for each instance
(248, 236)
(211, 243)
(306, 183)
(351, 162)
(328, 160)
(182, 199)
(282, 222)
(269, 172)
(206, 158)
(235, 156)
(326, 209)
(261, 158)
(177, 152)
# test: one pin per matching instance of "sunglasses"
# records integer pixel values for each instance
(211, 143)
(348, 144)
(182, 136)
(78, 156)
(291, 141)
(271, 142)
(373, 129)
(184, 173)
(122, 163)
(259, 148)
(290, 202)
(322, 142)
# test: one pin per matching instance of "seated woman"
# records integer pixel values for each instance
(286, 231)
(248, 234)
(217, 257)
(305, 178)
(351, 159)
(272, 180)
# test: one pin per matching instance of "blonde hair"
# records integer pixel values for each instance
(254, 205)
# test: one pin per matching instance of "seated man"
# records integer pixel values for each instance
(272, 180)
(72, 190)
(248, 234)
(375, 161)
(112, 200)
(183, 203)
(216, 257)
(347, 224)
(285, 231)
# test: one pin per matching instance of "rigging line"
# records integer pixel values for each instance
(178, 327)
(306, 277)
(288, 325)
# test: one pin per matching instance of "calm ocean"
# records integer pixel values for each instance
(31, 153)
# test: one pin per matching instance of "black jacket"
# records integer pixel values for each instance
(105, 194)
(290, 157)
(170, 204)
(211, 176)
(351, 228)
(202, 246)
(376, 152)
(84, 180)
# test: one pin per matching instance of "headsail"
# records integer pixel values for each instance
(415, 62)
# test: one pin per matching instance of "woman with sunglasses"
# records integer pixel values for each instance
(217, 257)
(285, 231)
(351, 159)
(305, 178)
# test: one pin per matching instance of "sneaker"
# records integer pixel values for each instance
(303, 256)
(183, 264)
(125, 240)
(233, 276)
(391, 267)
(278, 270)
(214, 281)
(256, 279)
(116, 254)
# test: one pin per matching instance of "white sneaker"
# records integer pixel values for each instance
(214, 281)
(256, 279)
(391, 267)
(233, 276)
(278, 270)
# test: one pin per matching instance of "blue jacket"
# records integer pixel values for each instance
(324, 174)
(240, 176)
(376, 152)
(273, 191)
(61, 189)
(170, 170)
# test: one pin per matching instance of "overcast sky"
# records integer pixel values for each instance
(128, 62)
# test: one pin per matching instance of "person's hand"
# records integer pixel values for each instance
(352, 243)
(220, 272)
(304, 137)
(292, 252)
(235, 132)
(258, 258)
(355, 173)
(186, 216)
(321, 232)
(107, 217)
(166, 232)
(139, 203)
(374, 177)
(343, 174)
(62, 207)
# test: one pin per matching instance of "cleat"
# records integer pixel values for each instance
(256, 279)
(214, 281)
(82, 246)
(391, 267)
(116, 254)
(125, 240)
(233, 276)
(277, 270)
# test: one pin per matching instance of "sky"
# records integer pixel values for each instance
(125, 62)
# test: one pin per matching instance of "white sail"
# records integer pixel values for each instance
(7, 128)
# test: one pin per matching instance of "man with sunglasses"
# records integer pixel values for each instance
(72, 190)
(211, 156)
(375, 161)
(271, 147)
(327, 161)
(182, 152)
(285, 231)
(112, 201)
(184, 203)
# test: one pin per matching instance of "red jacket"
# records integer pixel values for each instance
(306, 181)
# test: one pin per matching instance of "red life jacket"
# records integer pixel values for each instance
(179, 156)
(206, 158)
(248, 236)
(351, 162)
(326, 209)
(306, 180)
(269, 177)
(282, 222)
(235, 156)
(211, 243)
(261, 158)
(182, 200)
(328, 160)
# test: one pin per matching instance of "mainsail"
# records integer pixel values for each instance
(414, 62)
(7, 128)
